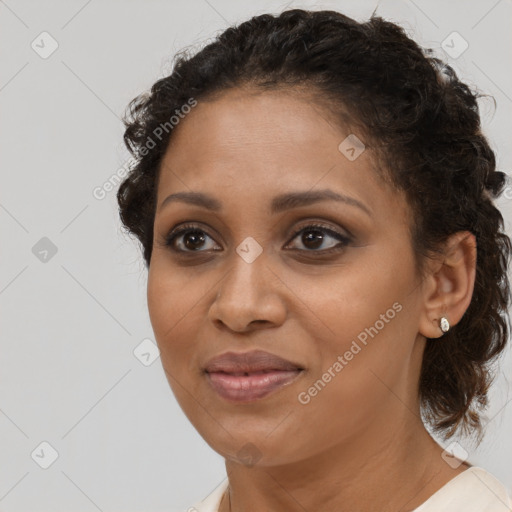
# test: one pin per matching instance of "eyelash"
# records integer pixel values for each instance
(190, 228)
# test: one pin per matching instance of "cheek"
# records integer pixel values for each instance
(171, 293)
(361, 373)
(367, 334)
(174, 305)
(162, 302)
(360, 298)
(174, 311)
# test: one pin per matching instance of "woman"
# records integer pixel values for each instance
(327, 273)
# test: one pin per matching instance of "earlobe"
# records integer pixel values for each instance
(449, 287)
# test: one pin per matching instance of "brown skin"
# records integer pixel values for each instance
(359, 444)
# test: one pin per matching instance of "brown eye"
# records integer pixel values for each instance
(193, 240)
(314, 237)
(190, 240)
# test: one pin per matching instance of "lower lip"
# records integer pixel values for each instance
(247, 388)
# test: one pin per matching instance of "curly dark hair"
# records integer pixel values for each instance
(423, 128)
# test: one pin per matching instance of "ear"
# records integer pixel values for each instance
(449, 285)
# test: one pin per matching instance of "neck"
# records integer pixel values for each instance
(385, 470)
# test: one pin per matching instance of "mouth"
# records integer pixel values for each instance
(246, 377)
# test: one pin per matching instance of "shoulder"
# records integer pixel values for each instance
(474, 490)
(212, 501)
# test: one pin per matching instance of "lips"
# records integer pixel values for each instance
(249, 376)
(256, 361)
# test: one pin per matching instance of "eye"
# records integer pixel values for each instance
(317, 236)
(190, 239)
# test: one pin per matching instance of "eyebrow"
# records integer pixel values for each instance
(279, 203)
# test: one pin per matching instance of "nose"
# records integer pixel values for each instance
(248, 297)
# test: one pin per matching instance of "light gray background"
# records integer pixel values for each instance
(70, 324)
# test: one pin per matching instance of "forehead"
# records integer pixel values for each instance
(255, 144)
(240, 120)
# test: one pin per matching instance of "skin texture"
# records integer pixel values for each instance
(359, 444)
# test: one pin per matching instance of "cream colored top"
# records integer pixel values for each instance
(474, 490)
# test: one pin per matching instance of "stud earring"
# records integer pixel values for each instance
(444, 325)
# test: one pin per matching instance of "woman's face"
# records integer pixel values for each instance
(341, 300)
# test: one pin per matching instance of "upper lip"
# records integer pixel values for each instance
(253, 361)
